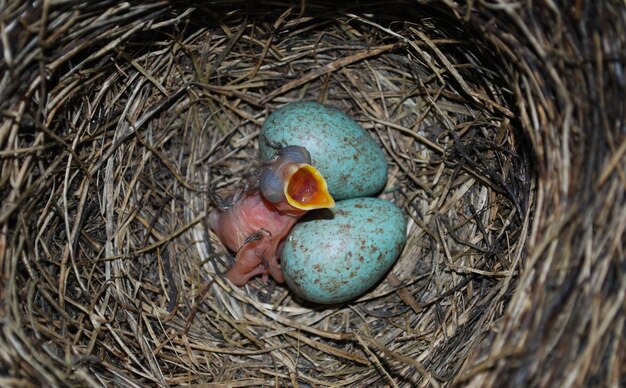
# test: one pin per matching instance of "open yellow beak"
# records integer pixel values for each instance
(306, 189)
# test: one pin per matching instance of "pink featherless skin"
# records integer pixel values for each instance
(255, 226)
(253, 229)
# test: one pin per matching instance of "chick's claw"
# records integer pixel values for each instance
(251, 261)
(248, 264)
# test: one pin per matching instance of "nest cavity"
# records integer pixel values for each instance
(124, 124)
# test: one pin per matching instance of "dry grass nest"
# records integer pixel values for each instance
(503, 124)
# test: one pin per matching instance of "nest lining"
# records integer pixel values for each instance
(114, 275)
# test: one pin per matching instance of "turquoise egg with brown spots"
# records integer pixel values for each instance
(352, 163)
(334, 255)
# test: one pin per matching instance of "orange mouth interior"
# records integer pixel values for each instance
(306, 189)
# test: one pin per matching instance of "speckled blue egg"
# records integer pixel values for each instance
(334, 255)
(348, 157)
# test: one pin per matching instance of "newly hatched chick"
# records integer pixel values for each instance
(256, 225)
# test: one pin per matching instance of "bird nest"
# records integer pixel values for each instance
(503, 127)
